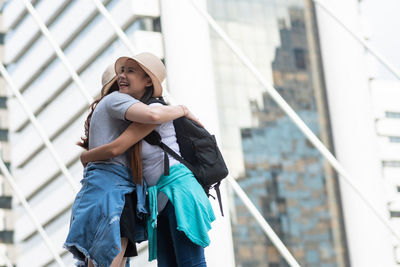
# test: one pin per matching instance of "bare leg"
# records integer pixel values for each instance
(120, 257)
(123, 262)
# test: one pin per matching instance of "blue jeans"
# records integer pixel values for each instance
(173, 246)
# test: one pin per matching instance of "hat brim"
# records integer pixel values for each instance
(156, 83)
(108, 85)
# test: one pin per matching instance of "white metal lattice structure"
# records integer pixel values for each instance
(58, 50)
(114, 25)
(33, 217)
(39, 128)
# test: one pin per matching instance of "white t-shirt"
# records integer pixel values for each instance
(153, 157)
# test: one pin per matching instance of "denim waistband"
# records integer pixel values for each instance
(117, 169)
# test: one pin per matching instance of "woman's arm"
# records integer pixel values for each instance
(157, 114)
(133, 134)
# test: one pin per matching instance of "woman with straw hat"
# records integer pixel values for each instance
(181, 214)
(105, 215)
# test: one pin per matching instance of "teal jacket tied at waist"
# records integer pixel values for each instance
(193, 210)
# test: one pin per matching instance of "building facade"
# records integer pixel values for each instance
(6, 215)
(356, 146)
(384, 89)
(387, 125)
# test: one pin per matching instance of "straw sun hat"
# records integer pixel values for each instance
(150, 63)
(107, 79)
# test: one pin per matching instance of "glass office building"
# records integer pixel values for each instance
(283, 174)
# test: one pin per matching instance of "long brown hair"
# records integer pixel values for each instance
(136, 149)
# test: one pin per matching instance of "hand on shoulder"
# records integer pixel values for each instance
(188, 114)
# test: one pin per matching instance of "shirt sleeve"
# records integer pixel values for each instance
(156, 104)
(118, 103)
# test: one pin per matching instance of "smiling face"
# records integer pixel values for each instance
(132, 79)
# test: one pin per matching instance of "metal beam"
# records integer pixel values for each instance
(58, 51)
(38, 128)
(34, 219)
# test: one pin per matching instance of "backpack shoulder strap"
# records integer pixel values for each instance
(217, 190)
(154, 139)
(176, 156)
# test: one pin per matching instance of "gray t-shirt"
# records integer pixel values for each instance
(108, 122)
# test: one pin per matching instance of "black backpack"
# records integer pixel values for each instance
(199, 151)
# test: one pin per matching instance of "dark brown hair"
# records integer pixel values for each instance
(136, 156)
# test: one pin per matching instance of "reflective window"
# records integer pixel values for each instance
(395, 115)
(3, 134)
(391, 163)
(3, 101)
(395, 214)
(300, 58)
(394, 139)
